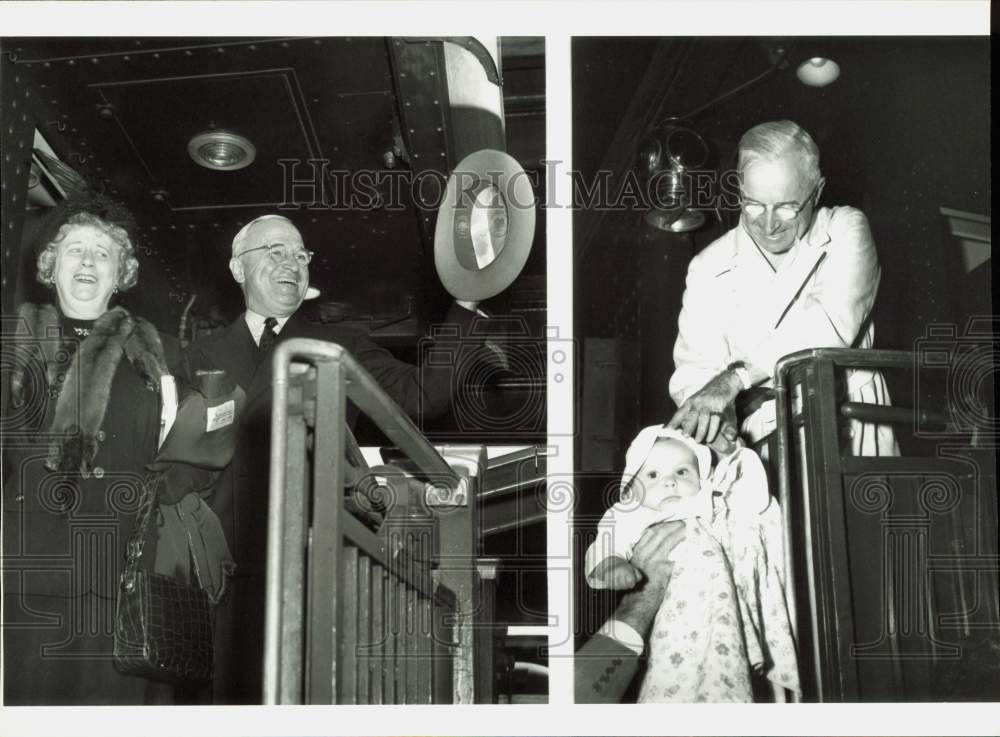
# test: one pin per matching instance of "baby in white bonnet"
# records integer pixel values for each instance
(723, 616)
(668, 476)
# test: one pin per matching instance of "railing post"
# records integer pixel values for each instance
(337, 542)
(457, 515)
(293, 568)
(326, 553)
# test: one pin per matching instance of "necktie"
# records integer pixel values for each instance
(268, 337)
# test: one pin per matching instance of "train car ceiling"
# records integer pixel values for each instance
(314, 127)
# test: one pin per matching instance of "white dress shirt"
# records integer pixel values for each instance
(256, 324)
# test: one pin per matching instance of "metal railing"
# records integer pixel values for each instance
(354, 615)
(862, 539)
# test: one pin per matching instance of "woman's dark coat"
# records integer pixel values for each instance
(69, 498)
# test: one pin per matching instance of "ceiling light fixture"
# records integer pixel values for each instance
(818, 71)
(222, 150)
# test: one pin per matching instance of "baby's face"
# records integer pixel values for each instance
(670, 473)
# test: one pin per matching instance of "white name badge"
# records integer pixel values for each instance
(221, 416)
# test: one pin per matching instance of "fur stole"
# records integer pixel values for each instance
(83, 391)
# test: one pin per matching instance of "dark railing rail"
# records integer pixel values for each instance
(864, 534)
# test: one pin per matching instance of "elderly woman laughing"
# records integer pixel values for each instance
(87, 398)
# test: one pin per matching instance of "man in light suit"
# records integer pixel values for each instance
(271, 264)
(792, 275)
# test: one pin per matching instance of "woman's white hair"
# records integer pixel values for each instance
(128, 264)
(769, 141)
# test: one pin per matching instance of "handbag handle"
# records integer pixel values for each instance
(137, 540)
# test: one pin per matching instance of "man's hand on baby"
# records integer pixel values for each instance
(616, 573)
(701, 415)
(651, 555)
(727, 440)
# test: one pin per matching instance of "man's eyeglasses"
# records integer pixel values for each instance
(279, 252)
(785, 213)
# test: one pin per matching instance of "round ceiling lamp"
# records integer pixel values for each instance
(222, 150)
(818, 71)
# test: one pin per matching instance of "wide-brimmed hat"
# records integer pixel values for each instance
(485, 226)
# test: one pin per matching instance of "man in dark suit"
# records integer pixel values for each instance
(605, 665)
(271, 265)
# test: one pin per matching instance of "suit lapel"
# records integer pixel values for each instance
(794, 281)
(295, 327)
(769, 296)
(235, 352)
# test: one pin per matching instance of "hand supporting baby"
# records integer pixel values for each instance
(615, 573)
(650, 560)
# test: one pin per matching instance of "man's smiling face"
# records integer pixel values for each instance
(778, 186)
(273, 288)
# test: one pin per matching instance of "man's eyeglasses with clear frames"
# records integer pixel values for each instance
(278, 252)
(785, 213)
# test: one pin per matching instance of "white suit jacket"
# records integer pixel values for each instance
(737, 308)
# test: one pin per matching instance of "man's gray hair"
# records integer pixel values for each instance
(769, 141)
(245, 230)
